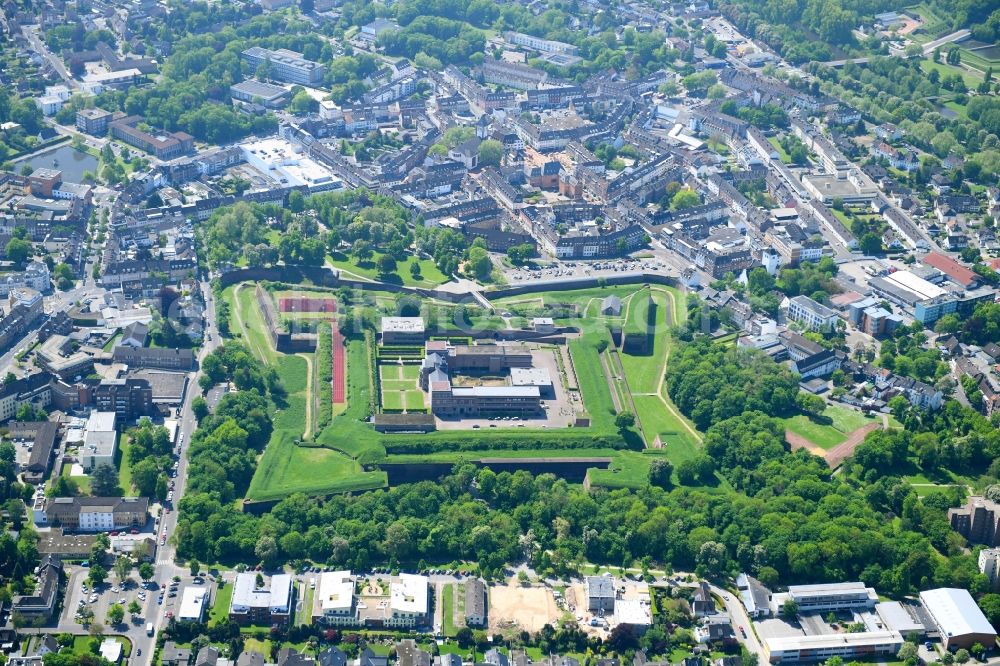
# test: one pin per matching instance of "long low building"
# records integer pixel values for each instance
(847, 646)
(833, 596)
(958, 618)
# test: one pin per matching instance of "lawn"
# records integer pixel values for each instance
(678, 442)
(430, 276)
(590, 377)
(414, 399)
(448, 610)
(397, 385)
(411, 372)
(782, 153)
(305, 613)
(842, 421)
(971, 80)
(286, 468)
(124, 469)
(110, 344)
(81, 645)
(220, 605)
(392, 401)
(644, 372)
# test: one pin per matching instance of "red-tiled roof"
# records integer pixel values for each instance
(951, 268)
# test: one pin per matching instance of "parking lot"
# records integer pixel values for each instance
(580, 269)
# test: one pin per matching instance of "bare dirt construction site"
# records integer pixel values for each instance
(530, 608)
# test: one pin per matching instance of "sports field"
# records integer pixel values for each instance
(830, 429)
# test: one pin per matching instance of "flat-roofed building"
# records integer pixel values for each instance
(403, 331)
(259, 92)
(285, 65)
(487, 358)
(897, 617)
(539, 377)
(267, 604)
(959, 620)
(866, 645)
(989, 566)
(814, 316)
(481, 401)
(833, 596)
(192, 608)
(100, 440)
(978, 521)
(333, 601)
(93, 121)
(408, 601)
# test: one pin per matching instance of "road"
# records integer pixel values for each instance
(947, 39)
(166, 567)
(30, 33)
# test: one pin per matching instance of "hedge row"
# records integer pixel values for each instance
(324, 375)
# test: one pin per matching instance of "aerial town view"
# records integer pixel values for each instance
(499, 332)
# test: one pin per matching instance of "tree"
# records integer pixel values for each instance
(415, 270)
(870, 243)
(362, 250)
(490, 153)
(790, 609)
(97, 575)
(685, 198)
(809, 403)
(199, 407)
(134, 608)
(104, 481)
(961, 655)
(661, 472)
(478, 264)
(947, 324)
(195, 567)
(116, 614)
(519, 254)
(624, 420)
(9, 378)
(296, 201)
(386, 265)
(266, 549)
(26, 412)
(146, 571)
(122, 567)
(907, 652)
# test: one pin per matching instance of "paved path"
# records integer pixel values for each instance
(953, 37)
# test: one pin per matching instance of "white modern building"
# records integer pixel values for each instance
(956, 616)
(833, 597)
(288, 165)
(402, 331)
(100, 441)
(192, 608)
(408, 601)
(285, 65)
(989, 564)
(814, 316)
(539, 44)
(847, 646)
(333, 601)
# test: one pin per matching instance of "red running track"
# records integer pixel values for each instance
(339, 380)
(304, 304)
